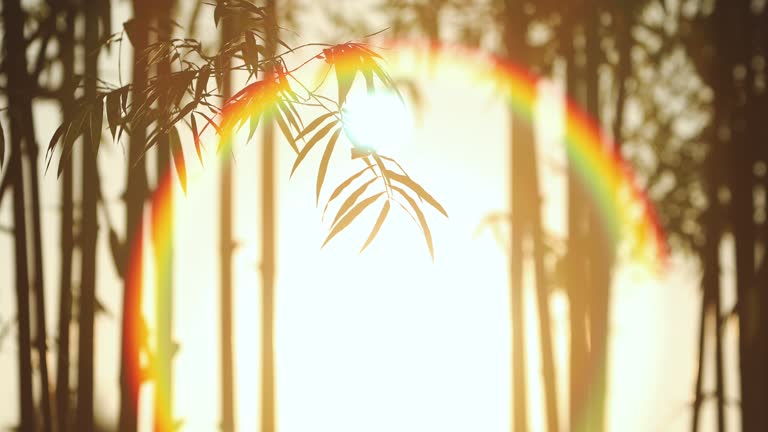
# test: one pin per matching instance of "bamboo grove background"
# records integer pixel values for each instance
(681, 84)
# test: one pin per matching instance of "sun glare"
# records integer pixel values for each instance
(378, 120)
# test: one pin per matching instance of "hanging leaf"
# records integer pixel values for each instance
(313, 125)
(349, 217)
(97, 120)
(202, 81)
(52, 145)
(196, 138)
(423, 194)
(219, 63)
(351, 199)
(288, 114)
(2, 145)
(422, 220)
(345, 76)
(113, 111)
(377, 225)
(253, 123)
(251, 51)
(118, 252)
(178, 157)
(324, 164)
(74, 130)
(286, 132)
(340, 188)
(311, 143)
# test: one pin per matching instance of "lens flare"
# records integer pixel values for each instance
(377, 120)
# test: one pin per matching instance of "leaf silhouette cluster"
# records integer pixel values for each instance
(187, 96)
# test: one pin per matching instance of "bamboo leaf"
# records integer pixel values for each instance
(253, 123)
(286, 132)
(313, 125)
(202, 81)
(340, 188)
(2, 145)
(97, 120)
(420, 191)
(288, 114)
(422, 220)
(74, 130)
(250, 50)
(56, 136)
(178, 157)
(118, 252)
(196, 138)
(310, 144)
(324, 163)
(377, 225)
(344, 80)
(351, 199)
(349, 217)
(113, 111)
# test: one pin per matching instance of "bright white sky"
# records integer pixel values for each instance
(386, 340)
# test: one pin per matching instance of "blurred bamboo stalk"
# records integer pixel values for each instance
(226, 247)
(67, 231)
(268, 255)
(16, 72)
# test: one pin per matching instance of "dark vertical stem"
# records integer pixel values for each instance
(741, 182)
(576, 279)
(600, 253)
(136, 192)
(517, 309)
(15, 47)
(225, 264)
(515, 45)
(542, 288)
(88, 234)
(163, 417)
(24, 112)
(66, 232)
(268, 208)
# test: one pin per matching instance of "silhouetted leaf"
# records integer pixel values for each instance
(196, 138)
(344, 79)
(2, 145)
(178, 157)
(351, 199)
(118, 252)
(407, 181)
(202, 81)
(377, 225)
(340, 188)
(113, 111)
(132, 26)
(286, 132)
(253, 123)
(210, 122)
(324, 163)
(422, 220)
(219, 63)
(288, 114)
(349, 217)
(313, 124)
(52, 145)
(310, 144)
(251, 51)
(97, 120)
(74, 130)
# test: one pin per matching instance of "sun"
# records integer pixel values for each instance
(377, 120)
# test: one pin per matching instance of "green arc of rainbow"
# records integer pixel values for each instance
(624, 209)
